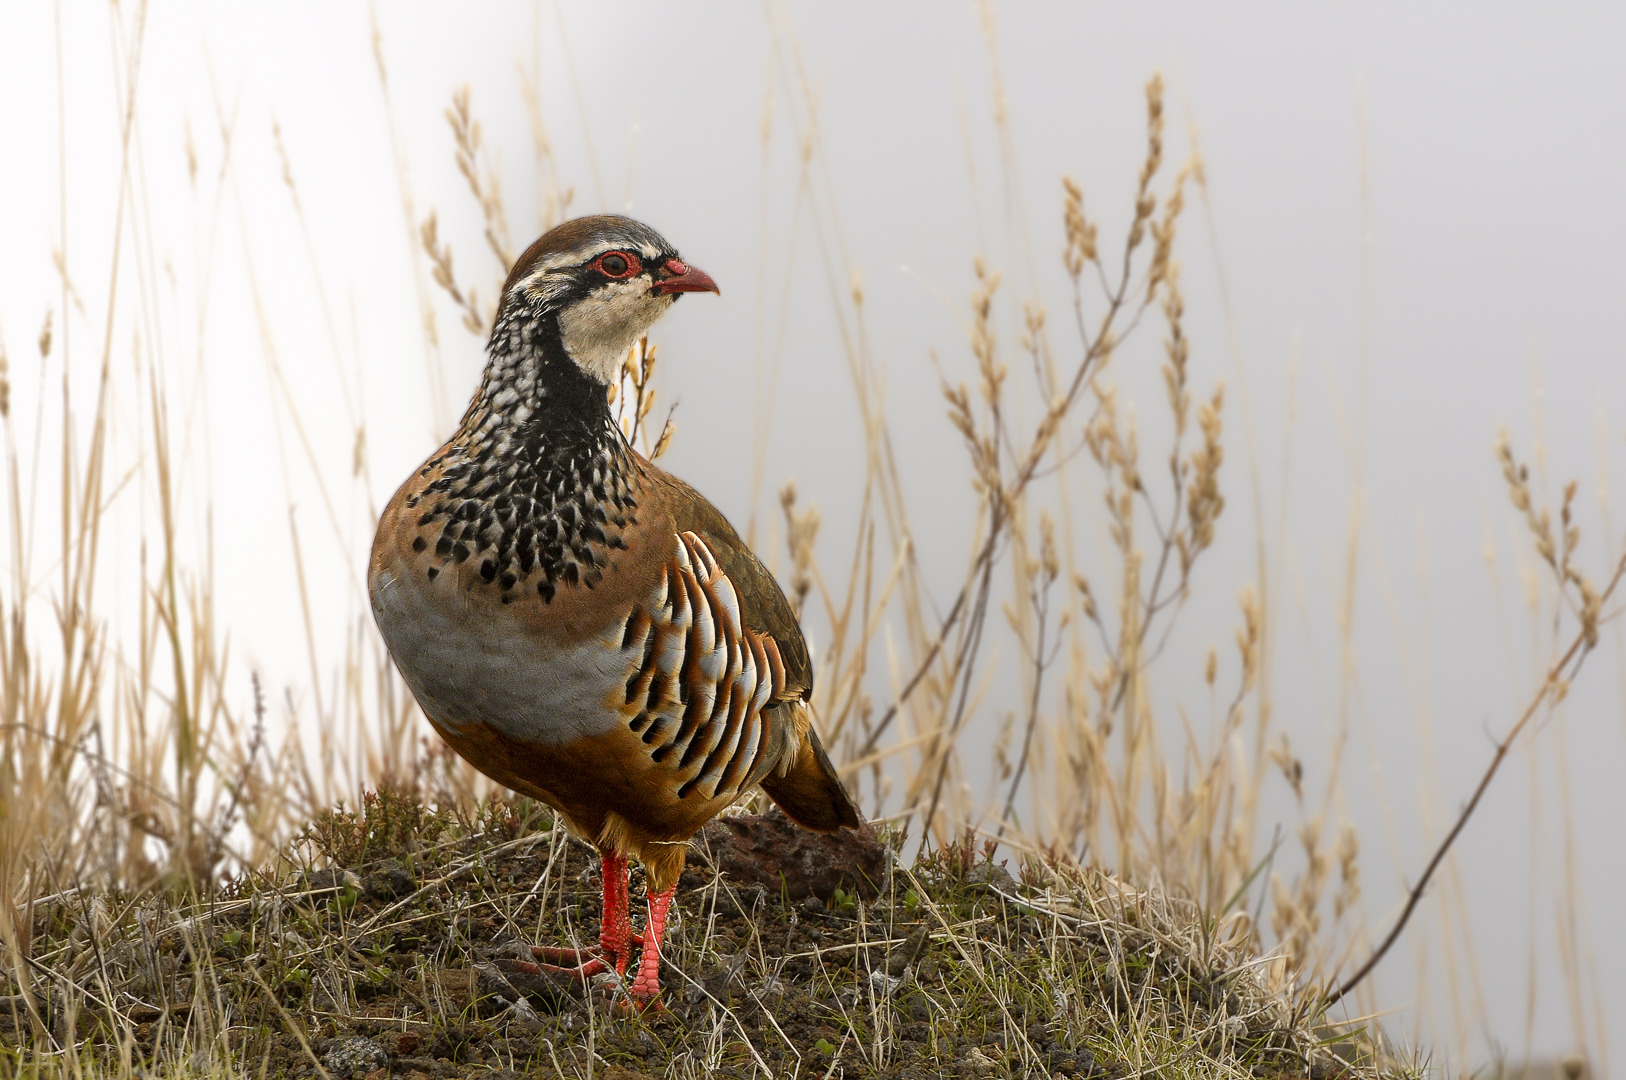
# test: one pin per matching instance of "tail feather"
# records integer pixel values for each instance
(811, 792)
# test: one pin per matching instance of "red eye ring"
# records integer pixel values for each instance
(606, 265)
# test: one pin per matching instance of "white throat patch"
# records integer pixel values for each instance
(598, 330)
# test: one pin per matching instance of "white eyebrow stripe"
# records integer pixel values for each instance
(577, 256)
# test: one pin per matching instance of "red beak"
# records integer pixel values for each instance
(680, 277)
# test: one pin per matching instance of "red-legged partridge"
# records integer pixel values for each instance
(577, 623)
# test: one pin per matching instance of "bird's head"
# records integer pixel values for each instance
(605, 279)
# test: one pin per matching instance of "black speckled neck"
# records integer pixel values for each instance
(535, 488)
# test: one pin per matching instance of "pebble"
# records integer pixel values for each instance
(354, 1057)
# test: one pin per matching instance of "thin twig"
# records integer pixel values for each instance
(1584, 641)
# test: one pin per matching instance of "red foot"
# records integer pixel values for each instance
(616, 939)
(576, 963)
(616, 942)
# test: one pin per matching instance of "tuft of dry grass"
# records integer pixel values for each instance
(401, 955)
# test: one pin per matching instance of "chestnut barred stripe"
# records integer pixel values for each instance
(703, 678)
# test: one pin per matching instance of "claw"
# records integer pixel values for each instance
(640, 1006)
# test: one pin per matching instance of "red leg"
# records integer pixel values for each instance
(615, 936)
(646, 988)
(615, 931)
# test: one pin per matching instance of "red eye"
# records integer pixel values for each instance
(617, 264)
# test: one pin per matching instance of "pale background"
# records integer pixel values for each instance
(1383, 338)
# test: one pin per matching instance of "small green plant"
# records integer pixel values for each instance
(956, 859)
(296, 984)
(389, 823)
(344, 901)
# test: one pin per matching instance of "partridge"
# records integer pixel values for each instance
(580, 625)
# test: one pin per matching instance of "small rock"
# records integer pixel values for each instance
(389, 881)
(908, 952)
(980, 1062)
(493, 993)
(618, 1072)
(992, 874)
(401, 1043)
(329, 880)
(884, 984)
(354, 1057)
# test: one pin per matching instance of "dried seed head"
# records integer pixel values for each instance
(440, 261)
(482, 181)
(1145, 201)
(667, 431)
(1204, 503)
(1086, 597)
(801, 530)
(1048, 558)
(1591, 610)
(1177, 349)
(1080, 247)
(1247, 638)
(1163, 233)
